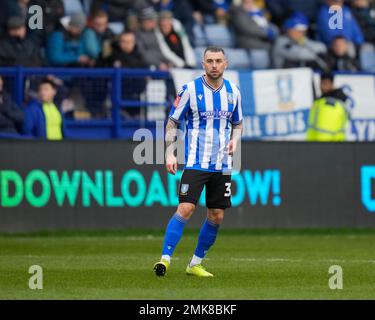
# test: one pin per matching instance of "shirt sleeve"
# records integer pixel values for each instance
(180, 106)
(237, 112)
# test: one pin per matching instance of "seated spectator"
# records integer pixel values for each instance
(125, 53)
(173, 41)
(53, 11)
(252, 29)
(150, 50)
(339, 58)
(350, 28)
(11, 116)
(294, 49)
(16, 48)
(182, 11)
(98, 38)
(365, 17)
(148, 44)
(43, 118)
(67, 46)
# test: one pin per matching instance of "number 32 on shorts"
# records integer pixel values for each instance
(228, 191)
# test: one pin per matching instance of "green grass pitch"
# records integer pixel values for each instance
(247, 264)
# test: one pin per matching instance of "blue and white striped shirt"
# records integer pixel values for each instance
(209, 116)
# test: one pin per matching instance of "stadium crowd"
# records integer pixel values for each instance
(164, 34)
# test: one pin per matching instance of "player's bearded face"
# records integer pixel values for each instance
(214, 64)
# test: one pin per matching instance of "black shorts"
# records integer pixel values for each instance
(218, 188)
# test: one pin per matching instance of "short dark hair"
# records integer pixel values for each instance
(213, 49)
(339, 37)
(327, 76)
(125, 32)
(47, 81)
(99, 14)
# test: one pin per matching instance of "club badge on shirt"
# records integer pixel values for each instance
(184, 189)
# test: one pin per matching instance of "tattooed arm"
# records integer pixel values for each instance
(170, 143)
(235, 137)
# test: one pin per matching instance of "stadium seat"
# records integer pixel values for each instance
(219, 35)
(367, 57)
(72, 6)
(116, 27)
(260, 59)
(238, 58)
(200, 39)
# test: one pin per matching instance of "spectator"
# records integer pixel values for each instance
(147, 40)
(125, 53)
(365, 17)
(350, 28)
(67, 46)
(98, 38)
(252, 29)
(11, 116)
(43, 118)
(329, 115)
(339, 58)
(182, 11)
(174, 42)
(53, 11)
(16, 48)
(295, 49)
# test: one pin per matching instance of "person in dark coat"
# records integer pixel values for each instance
(16, 48)
(11, 116)
(126, 55)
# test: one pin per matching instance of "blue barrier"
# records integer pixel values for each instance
(113, 128)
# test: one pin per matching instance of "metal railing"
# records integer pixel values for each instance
(115, 76)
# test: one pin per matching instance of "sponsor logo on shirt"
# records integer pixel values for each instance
(215, 114)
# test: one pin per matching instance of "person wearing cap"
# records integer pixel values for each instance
(148, 44)
(294, 49)
(66, 46)
(16, 48)
(174, 42)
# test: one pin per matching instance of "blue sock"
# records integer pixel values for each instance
(206, 239)
(173, 234)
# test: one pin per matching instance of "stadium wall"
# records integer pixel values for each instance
(96, 185)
